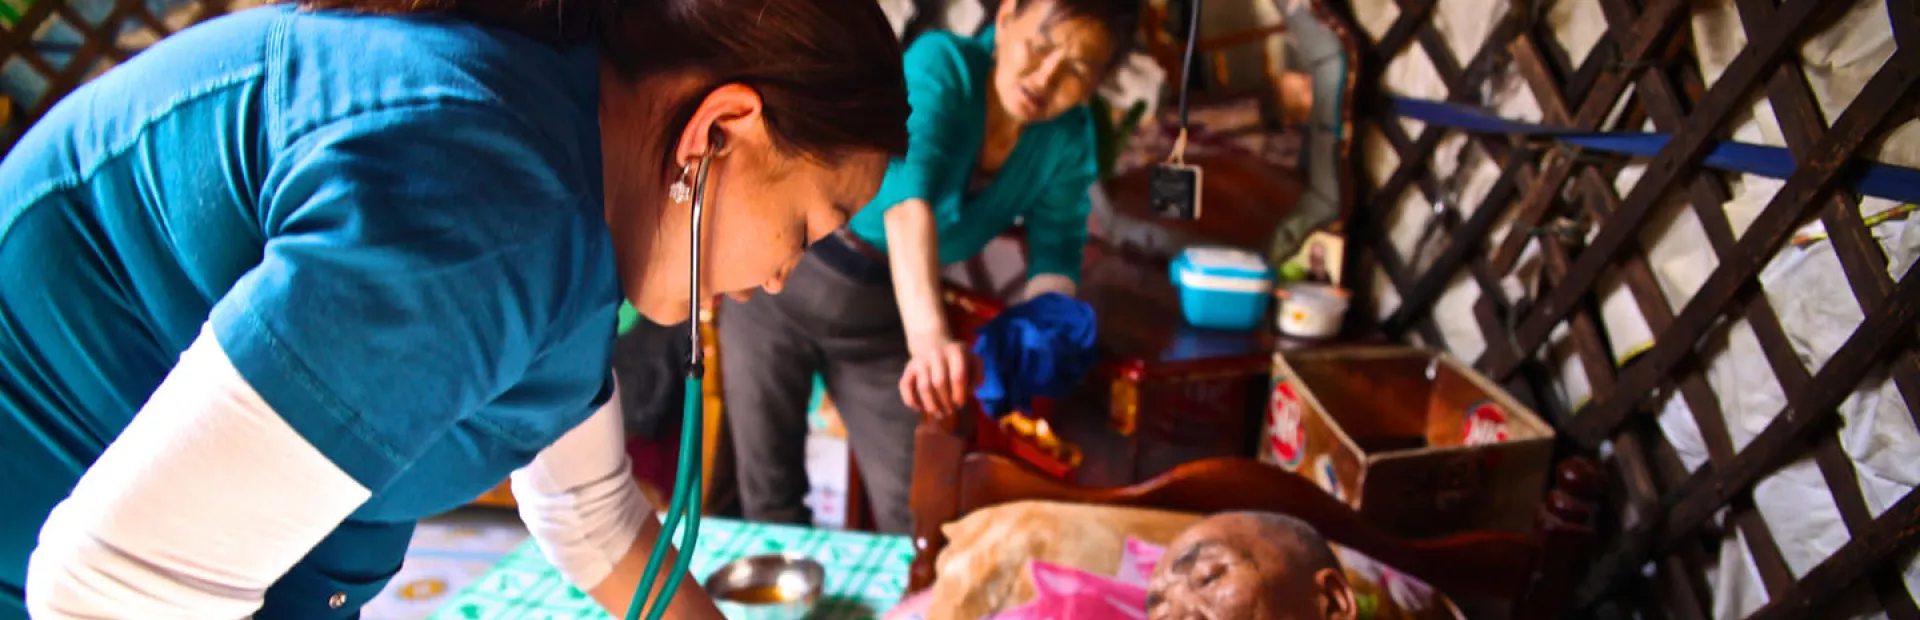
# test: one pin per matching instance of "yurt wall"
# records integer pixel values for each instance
(1736, 339)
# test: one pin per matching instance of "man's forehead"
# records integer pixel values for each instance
(1246, 544)
(1224, 544)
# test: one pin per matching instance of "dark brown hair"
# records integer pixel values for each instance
(1120, 17)
(828, 71)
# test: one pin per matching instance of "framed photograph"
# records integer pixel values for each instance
(1319, 260)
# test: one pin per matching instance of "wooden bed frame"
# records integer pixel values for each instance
(1535, 572)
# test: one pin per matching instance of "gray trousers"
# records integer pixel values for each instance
(770, 347)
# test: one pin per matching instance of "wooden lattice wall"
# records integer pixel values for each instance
(57, 45)
(1562, 208)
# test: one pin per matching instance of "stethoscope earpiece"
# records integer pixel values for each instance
(694, 366)
(686, 502)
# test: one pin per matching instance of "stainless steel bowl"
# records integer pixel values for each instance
(767, 587)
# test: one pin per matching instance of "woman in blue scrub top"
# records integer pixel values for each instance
(999, 133)
(297, 277)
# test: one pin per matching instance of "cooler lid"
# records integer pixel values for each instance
(1223, 262)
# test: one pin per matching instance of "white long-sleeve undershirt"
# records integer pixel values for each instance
(208, 497)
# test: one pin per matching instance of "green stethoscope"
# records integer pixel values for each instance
(686, 482)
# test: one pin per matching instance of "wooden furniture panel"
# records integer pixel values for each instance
(499, 497)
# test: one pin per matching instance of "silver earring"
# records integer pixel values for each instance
(681, 191)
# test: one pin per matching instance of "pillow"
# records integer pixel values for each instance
(913, 607)
(1137, 562)
(1383, 593)
(984, 567)
(1059, 592)
(1067, 592)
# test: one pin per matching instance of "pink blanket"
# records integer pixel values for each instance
(1064, 592)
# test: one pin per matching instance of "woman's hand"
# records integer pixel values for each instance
(616, 592)
(936, 380)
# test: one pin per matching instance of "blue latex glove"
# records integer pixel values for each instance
(1042, 347)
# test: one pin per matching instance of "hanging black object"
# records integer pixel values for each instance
(1174, 185)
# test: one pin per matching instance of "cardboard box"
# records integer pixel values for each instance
(1419, 443)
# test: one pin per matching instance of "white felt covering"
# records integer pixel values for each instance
(1806, 287)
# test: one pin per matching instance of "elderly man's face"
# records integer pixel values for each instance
(1221, 568)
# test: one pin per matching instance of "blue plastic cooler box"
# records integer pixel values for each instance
(1223, 288)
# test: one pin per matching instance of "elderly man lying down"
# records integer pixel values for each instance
(1256, 565)
(1044, 560)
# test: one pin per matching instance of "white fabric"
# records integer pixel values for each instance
(965, 16)
(189, 513)
(1806, 287)
(579, 499)
(204, 501)
(1138, 79)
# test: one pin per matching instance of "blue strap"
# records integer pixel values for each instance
(1888, 181)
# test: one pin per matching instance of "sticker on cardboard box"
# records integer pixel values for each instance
(1329, 480)
(1286, 432)
(1486, 423)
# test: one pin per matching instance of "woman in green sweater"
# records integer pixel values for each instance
(999, 134)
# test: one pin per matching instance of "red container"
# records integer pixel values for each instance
(1033, 455)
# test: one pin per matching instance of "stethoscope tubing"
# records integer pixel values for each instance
(687, 480)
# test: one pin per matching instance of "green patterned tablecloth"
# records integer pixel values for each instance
(866, 573)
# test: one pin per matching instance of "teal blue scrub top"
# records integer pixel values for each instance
(1043, 183)
(392, 225)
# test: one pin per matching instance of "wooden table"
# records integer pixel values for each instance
(1164, 393)
(1168, 393)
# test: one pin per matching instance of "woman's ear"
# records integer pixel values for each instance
(1335, 596)
(728, 115)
